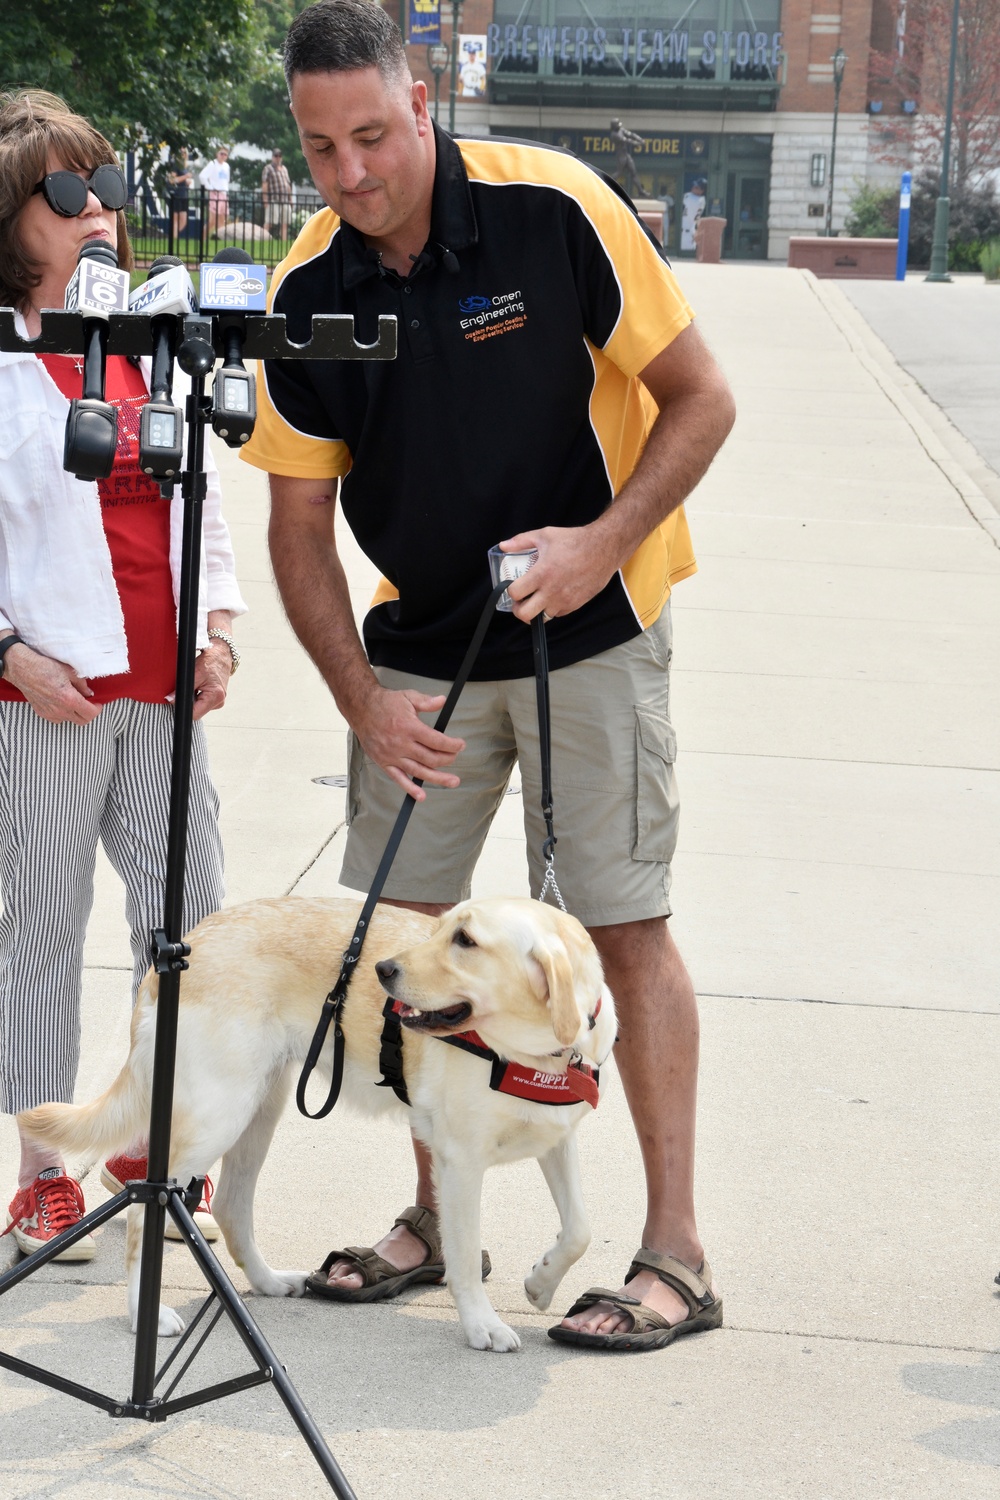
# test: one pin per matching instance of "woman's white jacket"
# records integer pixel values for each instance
(57, 589)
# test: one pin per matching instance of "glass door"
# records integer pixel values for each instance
(746, 210)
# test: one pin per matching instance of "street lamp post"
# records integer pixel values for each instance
(839, 60)
(942, 210)
(437, 61)
(456, 7)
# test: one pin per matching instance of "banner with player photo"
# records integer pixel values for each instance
(472, 66)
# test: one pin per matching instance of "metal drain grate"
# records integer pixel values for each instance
(512, 791)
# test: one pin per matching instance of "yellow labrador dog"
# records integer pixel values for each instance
(524, 979)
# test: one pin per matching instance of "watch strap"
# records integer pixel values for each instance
(5, 645)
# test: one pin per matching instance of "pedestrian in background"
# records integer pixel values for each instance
(215, 177)
(180, 180)
(276, 190)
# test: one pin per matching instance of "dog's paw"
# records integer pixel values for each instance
(170, 1323)
(496, 1337)
(281, 1284)
(540, 1286)
(539, 1293)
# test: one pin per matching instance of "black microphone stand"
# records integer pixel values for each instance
(201, 340)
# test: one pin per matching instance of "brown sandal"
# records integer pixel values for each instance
(381, 1280)
(649, 1330)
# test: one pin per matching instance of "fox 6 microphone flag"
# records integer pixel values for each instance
(232, 286)
(97, 287)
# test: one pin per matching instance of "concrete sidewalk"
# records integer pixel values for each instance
(836, 699)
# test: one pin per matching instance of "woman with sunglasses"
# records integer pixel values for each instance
(88, 641)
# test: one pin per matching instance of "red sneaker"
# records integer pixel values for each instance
(118, 1170)
(47, 1206)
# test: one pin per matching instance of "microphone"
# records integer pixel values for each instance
(166, 295)
(96, 289)
(232, 286)
(449, 260)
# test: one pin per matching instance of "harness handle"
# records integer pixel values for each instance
(333, 1005)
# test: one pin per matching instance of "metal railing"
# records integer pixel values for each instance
(196, 225)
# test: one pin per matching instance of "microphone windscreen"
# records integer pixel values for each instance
(234, 256)
(98, 250)
(163, 263)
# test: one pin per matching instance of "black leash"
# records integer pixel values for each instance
(540, 648)
(391, 1056)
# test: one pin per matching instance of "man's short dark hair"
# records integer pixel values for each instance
(343, 36)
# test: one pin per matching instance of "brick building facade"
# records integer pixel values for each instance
(732, 99)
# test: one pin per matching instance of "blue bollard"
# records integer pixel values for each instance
(903, 233)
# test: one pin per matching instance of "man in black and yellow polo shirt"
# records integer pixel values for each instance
(550, 392)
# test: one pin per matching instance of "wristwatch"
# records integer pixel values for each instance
(223, 635)
(5, 645)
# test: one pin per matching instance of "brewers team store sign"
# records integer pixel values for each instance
(636, 48)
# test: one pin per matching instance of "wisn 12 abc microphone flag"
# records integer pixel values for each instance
(232, 287)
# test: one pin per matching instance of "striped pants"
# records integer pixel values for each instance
(63, 787)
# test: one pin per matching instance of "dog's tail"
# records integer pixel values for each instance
(115, 1120)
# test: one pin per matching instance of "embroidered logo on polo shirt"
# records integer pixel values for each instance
(486, 317)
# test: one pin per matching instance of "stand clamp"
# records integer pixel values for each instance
(168, 957)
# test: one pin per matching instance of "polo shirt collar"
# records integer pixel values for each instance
(453, 218)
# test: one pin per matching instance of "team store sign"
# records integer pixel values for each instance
(635, 48)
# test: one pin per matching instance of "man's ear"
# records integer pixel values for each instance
(418, 103)
(554, 963)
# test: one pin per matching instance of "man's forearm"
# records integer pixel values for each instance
(317, 600)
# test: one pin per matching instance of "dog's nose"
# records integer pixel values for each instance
(387, 969)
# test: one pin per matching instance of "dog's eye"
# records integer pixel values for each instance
(463, 939)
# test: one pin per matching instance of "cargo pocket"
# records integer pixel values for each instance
(355, 761)
(657, 805)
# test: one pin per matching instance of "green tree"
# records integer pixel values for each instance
(264, 117)
(144, 72)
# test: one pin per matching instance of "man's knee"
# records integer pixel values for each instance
(620, 941)
(426, 908)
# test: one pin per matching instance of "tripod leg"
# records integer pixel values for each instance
(258, 1346)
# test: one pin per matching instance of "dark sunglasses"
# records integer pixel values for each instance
(66, 193)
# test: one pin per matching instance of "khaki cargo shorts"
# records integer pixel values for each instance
(613, 786)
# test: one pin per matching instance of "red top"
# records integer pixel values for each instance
(137, 526)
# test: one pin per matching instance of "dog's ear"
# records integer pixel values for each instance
(554, 962)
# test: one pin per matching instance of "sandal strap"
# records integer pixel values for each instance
(424, 1223)
(644, 1319)
(693, 1286)
(363, 1259)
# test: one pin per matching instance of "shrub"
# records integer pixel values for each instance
(873, 212)
(989, 260)
(974, 220)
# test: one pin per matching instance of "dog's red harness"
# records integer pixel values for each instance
(579, 1084)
